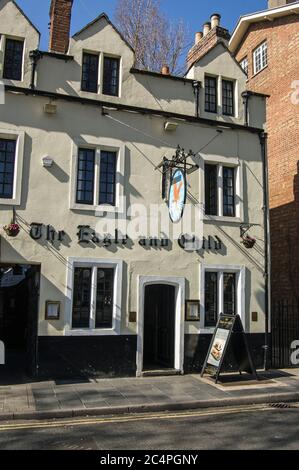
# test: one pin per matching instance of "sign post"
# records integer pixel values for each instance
(229, 335)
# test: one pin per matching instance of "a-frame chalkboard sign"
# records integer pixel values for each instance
(229, 335)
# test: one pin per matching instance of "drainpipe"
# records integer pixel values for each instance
(196, 87)
(246, 95)
(263, 141)
(34, 57)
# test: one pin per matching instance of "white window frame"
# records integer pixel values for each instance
(102, 55)
(220, 162)
(110, 145)
(19, 137)
(240, 284)
(3, 39)
(97, 53)
(258, 54)
(94, 263)
(244, 64)
(119, 78)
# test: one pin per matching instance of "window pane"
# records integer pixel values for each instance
(107, 178)
(211, 298)
(211, 94)
(111, 76)
(104, 299)
(244, 64)
(260, 57)
(229, 294)
(90, 73)
(81, 298)
(7, 167)
(228, 97)
(13, 59)
(229, 192)
(85, 176)
(211, 193)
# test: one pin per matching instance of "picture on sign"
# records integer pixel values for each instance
(177, 196)
(218, 347)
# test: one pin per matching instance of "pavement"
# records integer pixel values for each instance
(65, 399)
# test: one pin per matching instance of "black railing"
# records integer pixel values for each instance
(285, 330)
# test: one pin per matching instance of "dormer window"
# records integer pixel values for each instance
(211, 94)
(13, 59)
(90, 72)
(111, 76)
(228, 97)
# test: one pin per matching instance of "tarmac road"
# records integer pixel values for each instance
(253, 427)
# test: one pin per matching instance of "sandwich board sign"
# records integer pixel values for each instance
(229, 335)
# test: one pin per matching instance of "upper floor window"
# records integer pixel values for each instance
(220, 192)
(245, 65)
(7, 168)
(96, 177)
(211, 94)
(260, 58)
(90, 72)
(228, 97)
(111, 76)
(13, 59)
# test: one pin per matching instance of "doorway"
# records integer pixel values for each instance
(159, 327)
(19, 295)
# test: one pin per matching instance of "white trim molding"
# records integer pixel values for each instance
(241, 295)
(19, 137)
(94, 263)
(99, 145)
(179, 284)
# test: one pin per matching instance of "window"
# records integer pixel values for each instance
(244, 64)
(7, 168)
(13, 59)
(220, 189)
(85, 176)
(228, 191)
(228, 97)
(90, 72)
(83, 292)
(211, 189)
(260, 58)
(211, 94)
(222, 290)
(111, 76)
(96, 187)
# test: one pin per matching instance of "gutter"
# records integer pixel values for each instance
(129, 108)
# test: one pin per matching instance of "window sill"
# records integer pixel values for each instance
(10, 202)
(257, 73)
(90, 332)
(100, 209)
(217, 218)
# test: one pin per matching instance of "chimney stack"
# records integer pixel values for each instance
(60, 25)
(212, 34)
(278, 3)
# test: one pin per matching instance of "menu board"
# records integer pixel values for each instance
(218, 347)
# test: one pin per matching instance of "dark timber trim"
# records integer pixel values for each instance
(129, 108)
(160, 75)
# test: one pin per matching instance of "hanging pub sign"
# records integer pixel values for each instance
(229, 340)
(177, 195)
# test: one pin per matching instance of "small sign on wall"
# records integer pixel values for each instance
(192, 310)
(52, 310)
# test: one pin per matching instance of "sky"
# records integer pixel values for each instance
(193, 12)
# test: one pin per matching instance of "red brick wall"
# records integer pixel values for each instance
(60, 23)
(283, 143)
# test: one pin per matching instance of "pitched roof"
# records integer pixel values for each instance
(106, 17)
(269, 14)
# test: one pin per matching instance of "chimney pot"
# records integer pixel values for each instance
(198, 37)
(215, 20)
(60, 25)
(206, 28)
(165, 70)
(278, 3)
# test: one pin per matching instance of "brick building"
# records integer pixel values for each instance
(266, 46)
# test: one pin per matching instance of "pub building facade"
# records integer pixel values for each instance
(82, 137)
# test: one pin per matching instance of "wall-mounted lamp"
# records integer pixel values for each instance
(170, 126)
(47, 162)
(50, 108)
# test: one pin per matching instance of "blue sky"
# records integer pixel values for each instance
(194, 12)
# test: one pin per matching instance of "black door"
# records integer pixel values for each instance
(159, 326)
(33, 283)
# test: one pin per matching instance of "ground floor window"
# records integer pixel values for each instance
(85, 290)
(222, 293)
